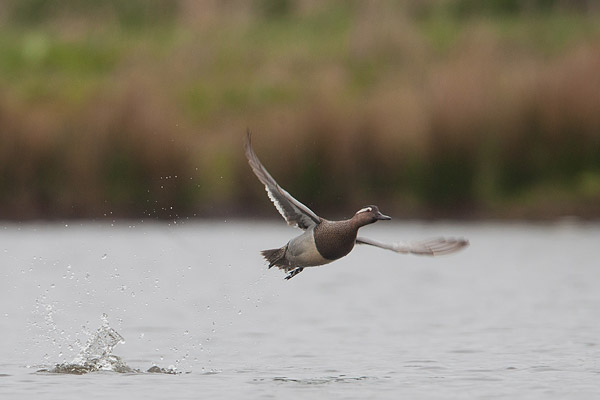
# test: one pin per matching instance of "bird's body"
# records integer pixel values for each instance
(301, 251)
(324, 241)
(321, 243)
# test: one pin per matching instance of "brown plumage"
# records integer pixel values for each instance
(324, 241)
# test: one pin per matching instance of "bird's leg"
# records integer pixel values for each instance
(294, 272)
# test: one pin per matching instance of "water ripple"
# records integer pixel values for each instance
(316, 381)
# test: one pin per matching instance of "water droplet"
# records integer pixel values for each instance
(52, 286)
(104, 256)
(240, 312)
(186, 332)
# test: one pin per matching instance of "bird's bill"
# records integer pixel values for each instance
(382, 217)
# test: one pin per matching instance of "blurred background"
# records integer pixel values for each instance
(428, 108)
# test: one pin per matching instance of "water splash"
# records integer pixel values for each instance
(108, 363)
(97, 356)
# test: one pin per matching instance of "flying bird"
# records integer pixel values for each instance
(324, 241)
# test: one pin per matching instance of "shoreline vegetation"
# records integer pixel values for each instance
(430, 109)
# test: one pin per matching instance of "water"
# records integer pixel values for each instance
(517, 314)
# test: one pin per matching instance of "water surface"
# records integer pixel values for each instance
(517, 314)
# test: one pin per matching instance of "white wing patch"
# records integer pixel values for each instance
(278, 206)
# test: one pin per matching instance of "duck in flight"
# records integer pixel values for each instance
(324, 241)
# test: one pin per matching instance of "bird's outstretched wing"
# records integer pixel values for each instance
(294, 212)
(431, 247)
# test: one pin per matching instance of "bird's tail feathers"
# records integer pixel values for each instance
(273, 256)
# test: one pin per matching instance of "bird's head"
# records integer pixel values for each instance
(370, 214)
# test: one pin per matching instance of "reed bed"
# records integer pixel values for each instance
(421, 107)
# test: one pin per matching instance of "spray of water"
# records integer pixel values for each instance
(97, 356)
